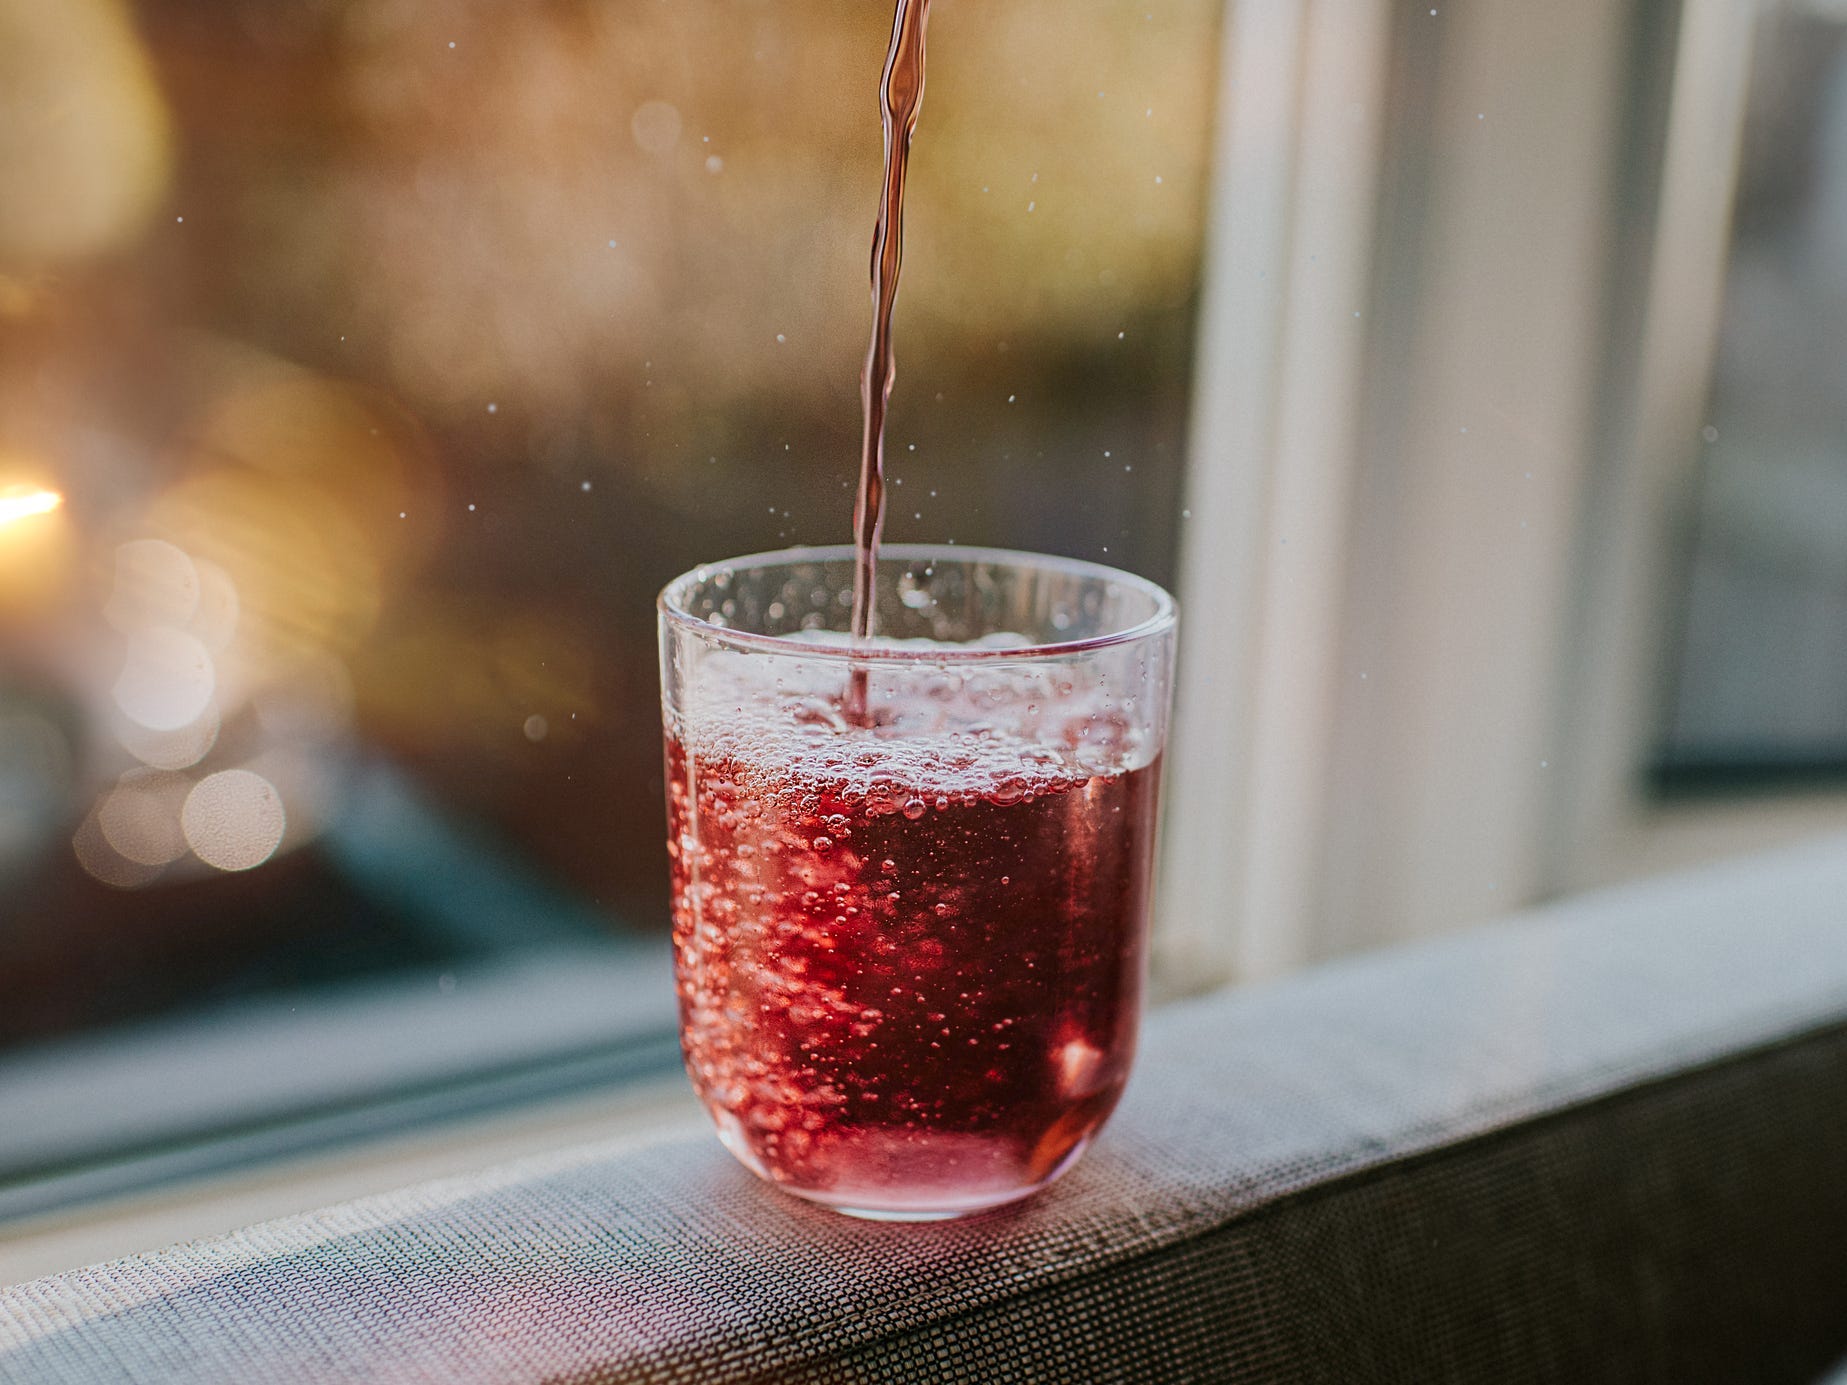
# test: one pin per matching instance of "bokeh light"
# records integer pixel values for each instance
(84, 134)
(179, 748)
(102, 862)
(155, 584)
(24, 506)
(35, 545)
(305, 577)
(167, 679)
(233, 819)
(140, 816)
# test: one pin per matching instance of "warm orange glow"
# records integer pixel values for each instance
(85, 136)
(36, 547)
(306, 576)
(17, 507)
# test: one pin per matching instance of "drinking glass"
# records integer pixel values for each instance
(911, 875)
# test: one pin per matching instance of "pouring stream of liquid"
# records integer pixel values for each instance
(900, 97)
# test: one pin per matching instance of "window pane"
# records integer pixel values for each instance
(384, 359)
(1761, 679)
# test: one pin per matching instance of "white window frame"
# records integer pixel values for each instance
(1426, 565)
(1607, 828)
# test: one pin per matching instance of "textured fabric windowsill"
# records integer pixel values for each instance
(670, 1263)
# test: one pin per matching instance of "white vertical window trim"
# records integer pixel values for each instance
(1296, 651)
(1279, 354)
(1227, 488)
(1460, 595)
(1309, 809)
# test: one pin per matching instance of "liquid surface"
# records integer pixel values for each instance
(909, 953)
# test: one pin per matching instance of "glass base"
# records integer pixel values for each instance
(923, 1207)
(872, 1214)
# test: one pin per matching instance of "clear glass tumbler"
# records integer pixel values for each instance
(911, 877)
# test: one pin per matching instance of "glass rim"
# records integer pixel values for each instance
(672, 608)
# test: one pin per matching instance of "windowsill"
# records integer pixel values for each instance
(1672, 836)
(114, 1227)
(197, 1124)
(1640, 1077)
(641, 1108)
(107, 1114)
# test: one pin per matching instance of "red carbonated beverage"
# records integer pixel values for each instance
(911, 856)
(910, 953)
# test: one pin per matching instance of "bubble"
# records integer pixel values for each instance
(914, 808)
(233, 820)
(819, 713)
(536, 728)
